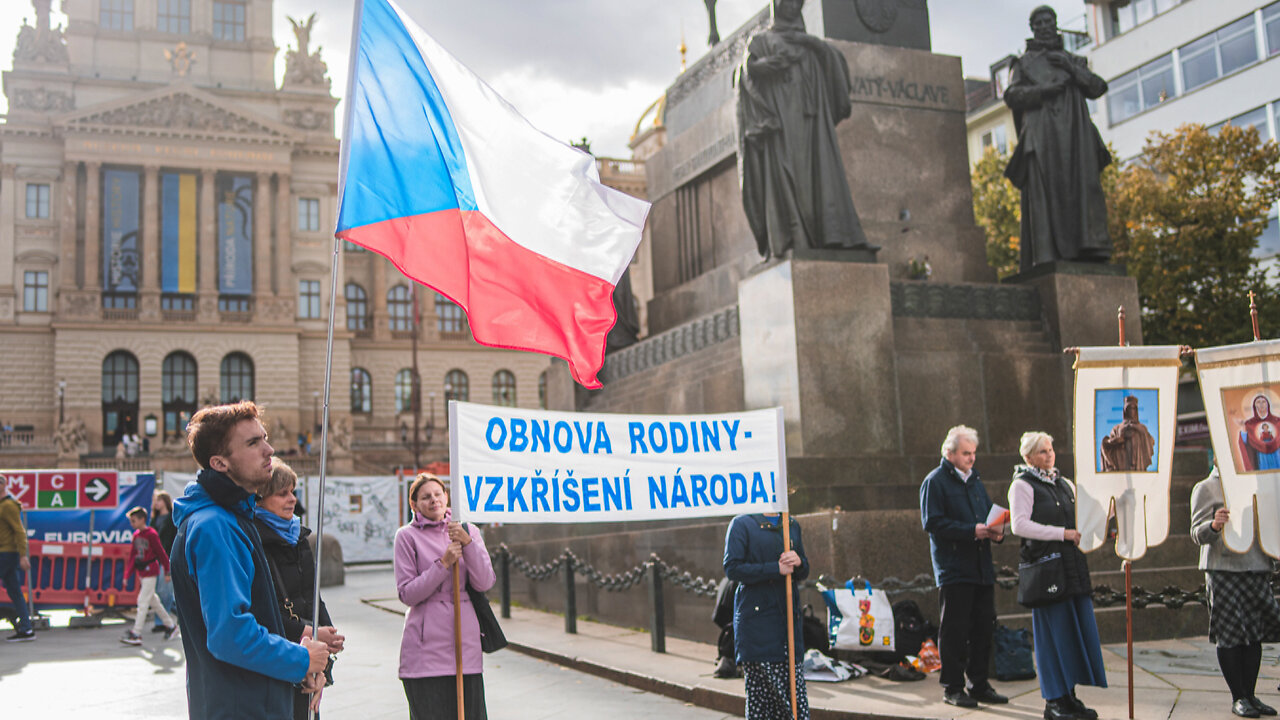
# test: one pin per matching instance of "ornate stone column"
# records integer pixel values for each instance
(8, 218)
(207, 254)
(262, 243)
(284, 246)
(93, 228)
(149, 252)
(378, 300)
(68, 256)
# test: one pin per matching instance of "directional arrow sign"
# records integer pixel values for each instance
(98, 489)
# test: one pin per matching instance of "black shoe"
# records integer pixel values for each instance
(988, 696)
(959, 698)
(1244, 708)
(20, 636)
(1261, 707)
(1060, 709)
(1082, 711)
(158, 628)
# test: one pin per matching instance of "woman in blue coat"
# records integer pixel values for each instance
(754, 557)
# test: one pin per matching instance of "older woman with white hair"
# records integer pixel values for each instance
(1042, 506)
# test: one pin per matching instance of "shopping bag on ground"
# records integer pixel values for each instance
(859, 617)
(1013, 656)
(820, 668)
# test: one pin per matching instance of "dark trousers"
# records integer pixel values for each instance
(966, 625)
(11, 576)
(436, 698)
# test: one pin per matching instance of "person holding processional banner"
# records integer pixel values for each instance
(1240, 384)
(526, 466)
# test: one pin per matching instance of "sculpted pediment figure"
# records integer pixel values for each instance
(179, 111)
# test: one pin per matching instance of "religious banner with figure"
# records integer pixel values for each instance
(178, 233)
(235, 235)
(1241, 389)
(120, 231)
(1125, 421)
(530, 466)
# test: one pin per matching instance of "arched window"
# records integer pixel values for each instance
(236, 377)
(456, 386)
(357, 307)
(361, 390)
(400, 308)
(450, 320)
(178, 392)
(504, 388)
(119, 397)
(542, 390)
(404, 390)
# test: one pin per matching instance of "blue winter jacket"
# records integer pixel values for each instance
(239, 664)
(950, 508)
(751, 550)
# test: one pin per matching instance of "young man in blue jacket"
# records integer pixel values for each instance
(239, 664)
(953, 509)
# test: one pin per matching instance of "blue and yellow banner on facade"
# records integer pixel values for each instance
(235, 235)
(120, 231)
(178, 233)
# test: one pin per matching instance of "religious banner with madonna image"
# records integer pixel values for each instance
(1125, 419)
(1241, 388)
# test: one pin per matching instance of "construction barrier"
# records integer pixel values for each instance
(77, 575)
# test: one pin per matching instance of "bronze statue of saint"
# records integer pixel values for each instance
(792, 90)
(1129, 446)
(1059, 155)
(714, 37)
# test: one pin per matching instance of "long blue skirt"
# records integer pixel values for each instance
(1068, 652)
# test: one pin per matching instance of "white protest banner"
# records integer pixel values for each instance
(529, 466)
(1241, 389)
(1125, 422)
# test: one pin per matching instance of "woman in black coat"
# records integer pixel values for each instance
(754, 557)
(293, 569)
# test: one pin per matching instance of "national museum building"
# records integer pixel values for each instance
(166, 216)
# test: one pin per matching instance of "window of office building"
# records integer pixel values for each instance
(37, 200)
(1271, 27)
(1255, 118)
(308, 214)
(116, 14)
(400, 308)
(228, 20)
(357, 307)
(457, 386)
(1140, 89)
(236, 378)
(1218, 53)
(997, 138)
(173, 16)
(450, 321)
(35, 291)
(404, 390)
(361, 391)
(504, 388)
(308, 299)
(1125, 16)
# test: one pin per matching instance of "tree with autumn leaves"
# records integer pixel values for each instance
(1185, 218)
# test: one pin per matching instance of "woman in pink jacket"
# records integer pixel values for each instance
(426, 550)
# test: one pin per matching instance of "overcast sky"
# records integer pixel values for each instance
(589, 68)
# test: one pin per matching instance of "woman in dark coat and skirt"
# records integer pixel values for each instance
(293, 569)
(1042, 506)
(754, 557)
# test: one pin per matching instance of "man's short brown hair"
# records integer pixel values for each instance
(137, 512)
(282, 476)
(210, 428)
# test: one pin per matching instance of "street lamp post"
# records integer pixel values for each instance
(62, 401)
(315, 410)
(416, 399)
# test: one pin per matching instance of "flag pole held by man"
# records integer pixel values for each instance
(446, 180)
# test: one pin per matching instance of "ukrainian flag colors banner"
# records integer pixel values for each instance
(531, 466)
(120, 231)
(178, 232)
(235, 235)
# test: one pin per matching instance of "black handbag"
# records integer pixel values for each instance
(492, 639)
(1042, 582)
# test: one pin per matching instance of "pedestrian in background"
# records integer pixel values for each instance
(425, 552)
(953, 509)
(754, 557)
(162, 523)
(147, 560)
(293, 569)
(1243, 612)
(1042, 505)
(14, 561)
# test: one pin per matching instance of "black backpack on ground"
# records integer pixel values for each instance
(722, 616)
(814, 631)
(1012, 654)
(910, 629)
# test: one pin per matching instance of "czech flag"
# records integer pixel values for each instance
(446, 180)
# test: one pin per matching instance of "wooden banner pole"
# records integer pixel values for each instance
(1128, 573)
(1120, 323)
(1253, 315)
(791, 621)
(457, 637)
